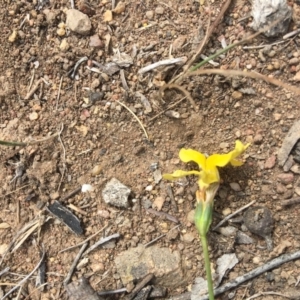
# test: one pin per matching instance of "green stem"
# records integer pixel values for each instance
(207, 267)
(12, 144)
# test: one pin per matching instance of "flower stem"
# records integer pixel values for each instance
(207, 267)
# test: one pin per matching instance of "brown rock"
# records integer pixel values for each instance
(286, 178)
(270, 162)
(258, 139)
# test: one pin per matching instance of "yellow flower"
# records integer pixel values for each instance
(208, 166)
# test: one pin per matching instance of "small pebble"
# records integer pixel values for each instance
(294, 61)
(191, 216)
(277, 117)
(286, 178)
(159, 10)
(235, 186)
(96, 170)
(237, 95)
(188, 237)
(258, 138)
(272, 53)
(64, 45)
(295, 169)
(256, 260)
(270, 162)
(226, 211)
(95, 41)
(33, 116)
(95, 83)
(149, 14)
(224, 145)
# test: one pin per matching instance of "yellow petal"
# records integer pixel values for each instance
(187, 155)
(236, 163)
(179, 174)
(221, 160)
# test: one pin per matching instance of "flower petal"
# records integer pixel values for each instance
(221, 160)
(179, 174)
(236, 163)
(187, 155)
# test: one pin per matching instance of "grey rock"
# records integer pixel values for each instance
(78, 22)
(116, 193)
(136, 263)
(266, 12)
(243, 238)
(235, 186)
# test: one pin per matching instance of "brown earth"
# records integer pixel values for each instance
(106, 135)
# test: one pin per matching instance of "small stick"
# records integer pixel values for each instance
(18, 212)
(104, 293)
(250, 74)
(159, 237)
(233, 214)
(179, 88)
(4, 271)
(290, 201)
(33, 90)
(72, 4)
(71, 194)
(170, 194)
(135, 116)
(290, 34)
(31, 81)
(171, 106)
(269, 293)
(73, 71)
(25, 278)
(86, 240)
(139, 286)
(164, 62)
(275, 263)
(162, 214)
(79, 210)
(74, 264)
(63, 158)
(100, 242)
(262, 46)
(123, 79)
(58, 94)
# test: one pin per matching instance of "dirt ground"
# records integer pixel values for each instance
(100, 139)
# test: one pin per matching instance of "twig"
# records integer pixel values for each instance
(146, 27)
(33, 90)
(72, 4)
(163, 215)
(170, 194)
(164, 62)
(275, 263)
(209, 31)
(74, 264)
(72, 72)
(290, 201)
(25, 278)
(71, 194)
(105, 293)
(82, 243)
(254, 75)
(290, 34)
(135, 116)
(179, 88)
(159, 237)
(63, 157)
(58, 94)
(101, 242)
(169, 107)
(31, 81)
(4, 271)
(262, 46)
(139, 286)
(123, 80)
(269, 293)
(79, 210)
(233, 214)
